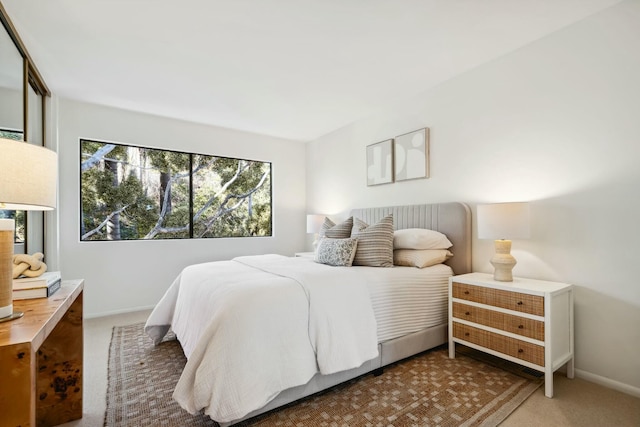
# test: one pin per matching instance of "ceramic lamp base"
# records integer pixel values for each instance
(503, 262)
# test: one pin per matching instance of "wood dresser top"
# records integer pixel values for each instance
(41, 315)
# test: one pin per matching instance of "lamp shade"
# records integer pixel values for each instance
(28, 175)
(314, 222)
(503, 221)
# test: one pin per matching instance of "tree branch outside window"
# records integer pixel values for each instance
(131, 193)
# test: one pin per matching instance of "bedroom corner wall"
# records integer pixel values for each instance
(554, 123)
(123, 276)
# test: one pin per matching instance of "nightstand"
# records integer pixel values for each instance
(305, 254)
(41, 360)
(529, 322)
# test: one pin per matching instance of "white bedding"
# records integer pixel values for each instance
(254, 326)
(407, 299)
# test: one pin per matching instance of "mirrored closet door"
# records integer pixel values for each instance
(22, 117)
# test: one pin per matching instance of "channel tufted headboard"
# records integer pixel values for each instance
(453, 219)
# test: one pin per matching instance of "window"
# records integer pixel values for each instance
(136, 193)
(19, 217)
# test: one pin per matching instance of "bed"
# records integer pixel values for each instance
(285, 326)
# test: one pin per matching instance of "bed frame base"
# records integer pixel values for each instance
(388, 352)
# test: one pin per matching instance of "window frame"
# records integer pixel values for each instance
(191, 192)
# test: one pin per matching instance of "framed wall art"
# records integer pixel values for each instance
(412, 155)
(380, 162)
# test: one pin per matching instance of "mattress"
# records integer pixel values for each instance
(406, 299)
(409, 299)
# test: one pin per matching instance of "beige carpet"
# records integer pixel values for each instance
(426, 390)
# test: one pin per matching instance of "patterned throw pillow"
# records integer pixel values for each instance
(375, 242)
(337, 252)
(333, 231)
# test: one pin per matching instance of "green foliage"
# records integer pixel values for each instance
(20, 222)
(11, 134)
(100, 197)
(233, 183)
(129, 186)
(169, 161)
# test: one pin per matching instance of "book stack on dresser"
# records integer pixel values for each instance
(42, 286)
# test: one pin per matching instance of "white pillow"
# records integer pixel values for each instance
(420, 257)
(420, 238)
(337, 252)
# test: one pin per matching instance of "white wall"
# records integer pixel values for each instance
(554, 123)
(125, 275)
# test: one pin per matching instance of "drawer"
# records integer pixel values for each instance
(505, 322)
(524, 303)
(505, 345)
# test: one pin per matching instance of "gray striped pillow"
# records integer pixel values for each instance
(331, 230)
(375, 242)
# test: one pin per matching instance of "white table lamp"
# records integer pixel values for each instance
(28, 175)
(502, 222)
(314, 222)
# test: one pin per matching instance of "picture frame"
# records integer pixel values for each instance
(411, 155)
(380, 163)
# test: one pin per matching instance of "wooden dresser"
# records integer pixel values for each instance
(526, 321)
(41, 360)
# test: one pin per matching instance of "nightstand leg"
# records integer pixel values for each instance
(548, 383)
(570, 369)
(452, 349)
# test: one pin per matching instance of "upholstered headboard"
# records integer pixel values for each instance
(453, 219)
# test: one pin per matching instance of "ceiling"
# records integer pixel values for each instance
(296, 69)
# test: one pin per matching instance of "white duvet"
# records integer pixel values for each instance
(254, 326)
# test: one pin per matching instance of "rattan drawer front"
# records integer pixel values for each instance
(505, 345)
(516, 301)
(505, 322)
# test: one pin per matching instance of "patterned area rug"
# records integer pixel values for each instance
(426, 390)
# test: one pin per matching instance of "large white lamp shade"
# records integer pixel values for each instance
(503, 222)
(28, 175)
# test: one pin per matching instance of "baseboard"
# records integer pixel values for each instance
(115, 312)
(608, 382)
